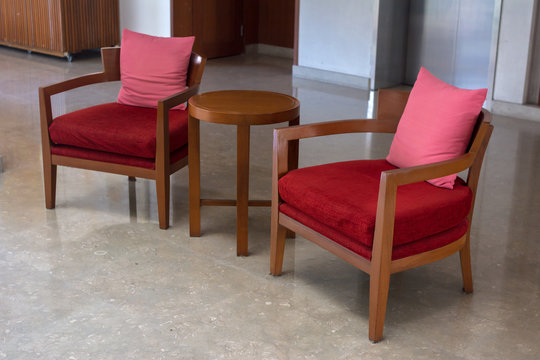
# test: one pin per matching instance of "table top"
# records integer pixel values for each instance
(244, 107)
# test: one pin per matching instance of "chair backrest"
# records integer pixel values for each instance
(110, 58)
(195, 70)
(391, 103)
(483, 117)
(478, 145)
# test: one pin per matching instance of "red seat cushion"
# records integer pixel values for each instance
(343, 196)
(80, 153)
(416, 247)
(119, 129)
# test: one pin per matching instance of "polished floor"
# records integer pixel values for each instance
(96, 279)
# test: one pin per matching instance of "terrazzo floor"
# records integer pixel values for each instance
(97, 279)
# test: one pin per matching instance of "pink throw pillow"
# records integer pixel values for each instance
(436, 124)
(152, 68)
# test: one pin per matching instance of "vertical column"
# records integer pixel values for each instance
(514, 51)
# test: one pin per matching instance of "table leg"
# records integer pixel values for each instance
(194, 166)
(293, 162)
(242, 189)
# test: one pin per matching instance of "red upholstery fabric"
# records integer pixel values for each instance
(119, 129)
(398, 252)
(343, 196)
(75, 152)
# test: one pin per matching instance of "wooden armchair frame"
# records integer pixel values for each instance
(390, 107)
(163, 168)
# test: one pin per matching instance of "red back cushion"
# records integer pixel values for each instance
(436, 124)
(152, 68)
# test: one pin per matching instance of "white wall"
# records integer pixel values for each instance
(337, 35)
(514, 51)
(152, 17)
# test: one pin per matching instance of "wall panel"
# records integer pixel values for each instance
(276, 22)
(452, 39)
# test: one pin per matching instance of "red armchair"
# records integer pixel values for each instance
(115, 138)
(377, 217)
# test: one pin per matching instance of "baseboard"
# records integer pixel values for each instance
(520, 111)
(354, 81)
(272, 50)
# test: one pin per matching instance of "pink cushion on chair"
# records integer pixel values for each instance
(343, 196)
(118, 129)
(436, 124)
(152, 68)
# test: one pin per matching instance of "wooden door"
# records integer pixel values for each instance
(216, 24)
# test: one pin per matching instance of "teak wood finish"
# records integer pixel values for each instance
(390, 107)
(59, 27)
(242, 108)
(276, 22)
(163, 168)
(223, 27)
(216, 25)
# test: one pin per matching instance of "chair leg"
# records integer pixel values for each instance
(163, 195)
(49, 177)
(379, 284)
(277, 248)
(466, 269)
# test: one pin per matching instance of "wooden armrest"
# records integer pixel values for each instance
(391, 179)
(166, 104)
(162, 123)
(282, 136)
(178, 98)
(73, 83)
(110, 58)
(409, 175)
(425, 172)
(335, 128)
(46, 92)
(386, 203)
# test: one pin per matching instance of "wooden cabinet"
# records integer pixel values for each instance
(59, 27)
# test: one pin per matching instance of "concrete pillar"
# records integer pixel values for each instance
(514, 50)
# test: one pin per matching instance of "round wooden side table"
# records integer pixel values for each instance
(242, 108)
